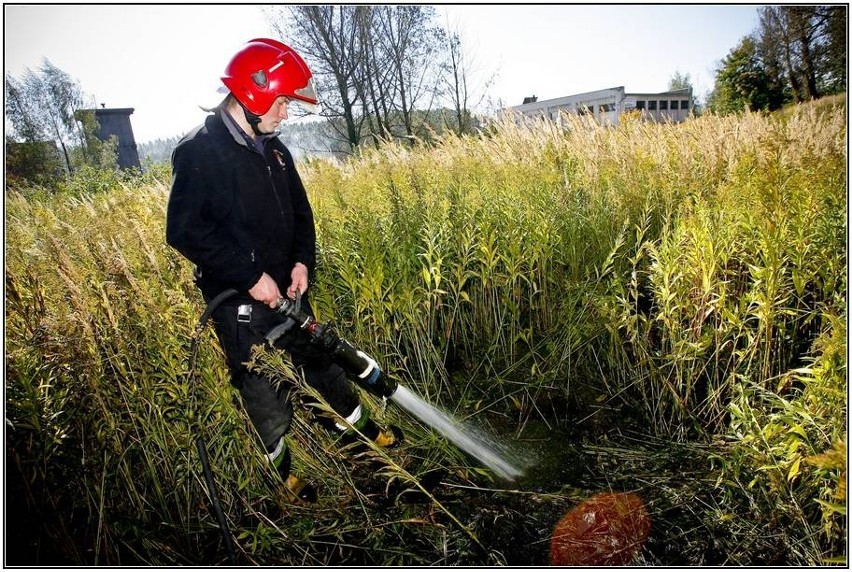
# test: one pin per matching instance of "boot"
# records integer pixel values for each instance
(389, 438)
(296, 490)
(365, 427)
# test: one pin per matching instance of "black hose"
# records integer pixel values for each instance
(214, 303)
(199, 438)
(208, 311)
(214, 495)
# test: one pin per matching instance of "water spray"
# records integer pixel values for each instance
(363, 370)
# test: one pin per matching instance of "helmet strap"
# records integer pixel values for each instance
(253, 120)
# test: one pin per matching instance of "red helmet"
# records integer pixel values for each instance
(264, 70)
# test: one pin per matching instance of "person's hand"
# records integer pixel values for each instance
(266, 291)
(299, 275)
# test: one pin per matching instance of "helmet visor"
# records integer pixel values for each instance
(307, 97)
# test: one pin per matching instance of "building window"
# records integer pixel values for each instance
(606, 107)
(684, 104)
(664, 105)
(652, 105)
(640, 104)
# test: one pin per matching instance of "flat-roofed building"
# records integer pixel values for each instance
(607, 105)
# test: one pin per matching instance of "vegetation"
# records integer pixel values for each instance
(653, 308)
(45, 111)
(159, 151)
(798, 53)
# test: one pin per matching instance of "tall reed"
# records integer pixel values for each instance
(692, 276)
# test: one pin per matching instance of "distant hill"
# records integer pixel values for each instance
(304, 139)
(157, 151)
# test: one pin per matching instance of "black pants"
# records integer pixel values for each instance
(270, 409)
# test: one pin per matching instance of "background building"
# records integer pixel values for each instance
(116, 123)
(607, 105)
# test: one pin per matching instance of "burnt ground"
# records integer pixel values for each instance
(588, 451)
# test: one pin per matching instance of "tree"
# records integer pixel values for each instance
(742, 82)
(37, 162)
(327, 37)
(93, 151)
(804, 47)
(374, 80)
(797, 53)
(459, 83)
(43, 108)
(683, 81)
(378, 67)
(832, 54)
(412, 48)
(775, 54)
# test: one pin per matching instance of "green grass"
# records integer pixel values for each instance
(690, 277)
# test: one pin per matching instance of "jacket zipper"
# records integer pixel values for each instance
(275, 194)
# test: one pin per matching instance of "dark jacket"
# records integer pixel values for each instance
(236, 212)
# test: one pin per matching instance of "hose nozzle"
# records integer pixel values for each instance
(363, 369)
(359, 367)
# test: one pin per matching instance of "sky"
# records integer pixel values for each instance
(164, 61)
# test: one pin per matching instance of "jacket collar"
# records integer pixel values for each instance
(240, 136)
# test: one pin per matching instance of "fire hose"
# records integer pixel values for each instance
(200, 446)
(359, 367)
(365, 372)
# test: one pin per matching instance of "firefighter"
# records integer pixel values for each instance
(239, 212)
